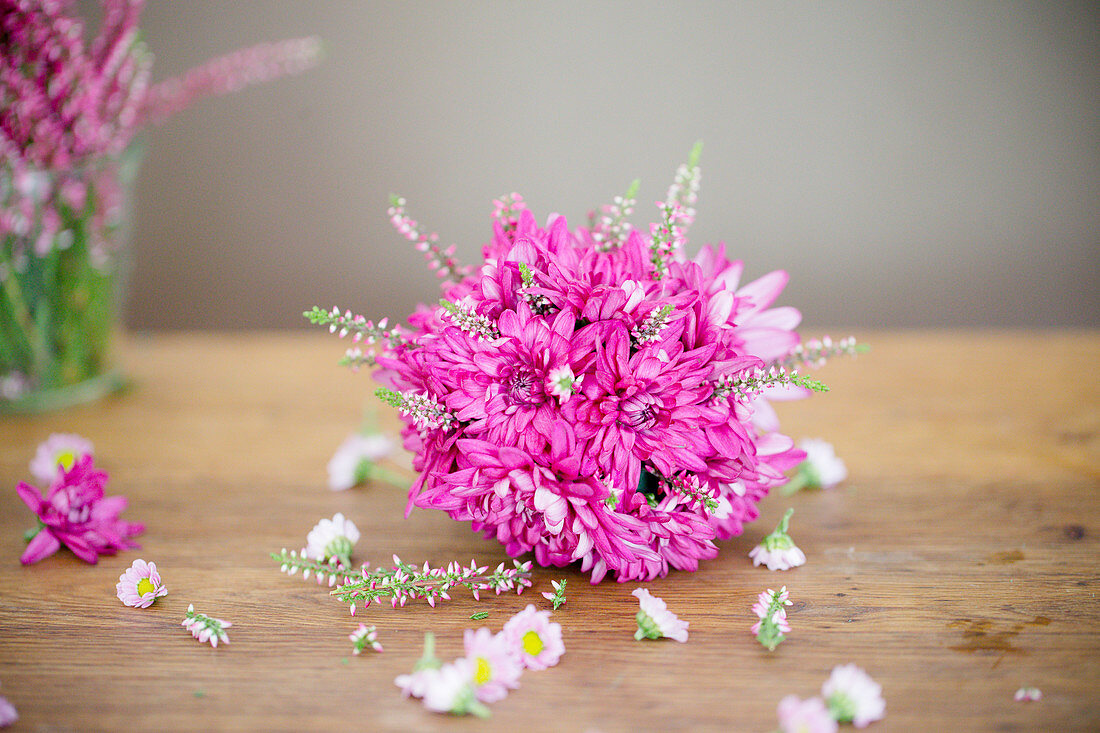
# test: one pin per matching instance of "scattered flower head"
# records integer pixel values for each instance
(558, 596)
(443, 688)
(496, 669)
(332, 538)
(354, 462)
(655, 620)
(778, 551)
(8, 713)
(853, 697)
(363, 637)
(591, 394)
(772, 625)
(206, 628)
(805, 716)
(59, 450)
(140, 585)
(75, 512)
(821, 469)
(1028, 694)
(534, 639)
(414, 684)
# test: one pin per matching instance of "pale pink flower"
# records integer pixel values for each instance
(8, 714)
(60, 449)
(778, 551)
(449, 689)
(655, 620)
(495, 668)
(822, 469)
(1028, 694)
(332, 538)
(351, 464)
(534, 639)
(805, 716)
(853, 697)
(140, 585)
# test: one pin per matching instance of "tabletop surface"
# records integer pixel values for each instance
(957, 563)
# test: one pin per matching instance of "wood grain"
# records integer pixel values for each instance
(958, 563)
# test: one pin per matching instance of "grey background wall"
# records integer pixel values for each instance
(908, 163)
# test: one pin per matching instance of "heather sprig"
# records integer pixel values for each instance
(558, 596)
(650, 329)
(669, 235)
(540, 304)
(611, 229)
(464, 316)
(507, 209)
(770, 608)
(424, 410)
(360, 328)
(364, 637)
(404, 582)
(440, 260)
(688, 487)
(815, 352)
(744, 387)
(331, 571)
(206, 628)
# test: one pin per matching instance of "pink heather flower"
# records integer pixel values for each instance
(655, 620)
(1025, 694)
(495, 668)
(534, 639)
(8, 714)
(772, 623)
(557, 597)
(853, 697)
(332, 538)
(206, 628)
(351, 464)
(805, 716)
(778, 551)
(75, 513)
(60, 449)
(363, 637)
(140, 585)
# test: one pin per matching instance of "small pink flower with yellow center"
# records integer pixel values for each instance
(655, 620)
(140, 585)
(495, 669)
(60, 449)
(805, 716)
(534, 639)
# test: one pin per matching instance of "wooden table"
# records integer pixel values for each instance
(957, 564)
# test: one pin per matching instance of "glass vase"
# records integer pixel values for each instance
(63, 271)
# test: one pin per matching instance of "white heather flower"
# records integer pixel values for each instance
(363, 637)
(821, 469)
(351, 464)
(533, 639)
(853, 697)
(778, 551)
(205, 628)
(1028, 694)
(495, 669)
(332, 538)
(655, 620)
(60, 449)
(562, 383)
(140, 585)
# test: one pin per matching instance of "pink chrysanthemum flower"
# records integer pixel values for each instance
(354, 460)
(140, 585)
(853, 697)
(450, 689)
(805, 716)
(655, 620)
(534, 639)
(59, 450)
(75, 513)
(778, 551)
(591, 394)
(496, 670)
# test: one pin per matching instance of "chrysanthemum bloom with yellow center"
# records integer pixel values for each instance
(58, 450)
(495, 669)
(534, 639)
(140, 585)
